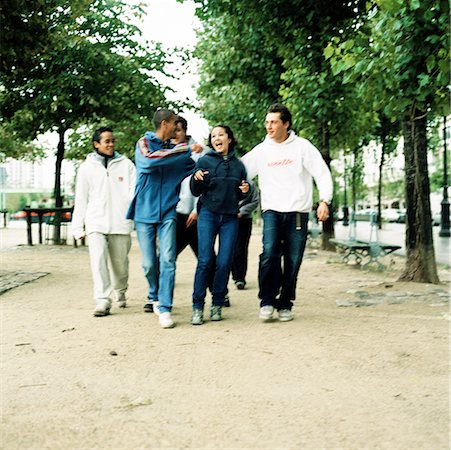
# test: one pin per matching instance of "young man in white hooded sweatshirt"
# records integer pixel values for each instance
(285, 165)
(105, 186)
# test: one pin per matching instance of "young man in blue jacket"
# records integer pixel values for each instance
(161, 167)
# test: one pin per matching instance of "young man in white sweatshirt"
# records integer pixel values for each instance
(286, 165)
(105, 186)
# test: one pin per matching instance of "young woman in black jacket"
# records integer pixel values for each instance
(220, 182)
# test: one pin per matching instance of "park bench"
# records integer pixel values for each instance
(367, 251)
(48, 216)
(364, 250)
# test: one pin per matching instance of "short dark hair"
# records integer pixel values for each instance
(285, 114)
(183, 123)
(98, 134)
(162, 114)
(229, 132)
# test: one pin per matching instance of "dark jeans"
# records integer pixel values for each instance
(240, 253)
(210, 225)
(186, 235)
(284, 239)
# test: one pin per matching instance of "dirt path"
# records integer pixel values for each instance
(371, 374)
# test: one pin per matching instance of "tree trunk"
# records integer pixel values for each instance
(328, 225)
(420, 263)
(57, 189)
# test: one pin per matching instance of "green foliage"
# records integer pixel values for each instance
(25, 34)
(239, 77)
(93, 70)
(400, 55)
(12, 146)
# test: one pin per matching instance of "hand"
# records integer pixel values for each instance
(323, 211)
(79, 235)
(197, 148)
(192, 219)
(244, 187)
(199, 175)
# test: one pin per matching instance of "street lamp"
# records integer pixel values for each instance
(345, 200)
(444, 228)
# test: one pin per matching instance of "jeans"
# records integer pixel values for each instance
(159, 269)
(240, 253)
(284, 239)
(210, 225)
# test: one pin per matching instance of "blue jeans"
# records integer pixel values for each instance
(158, 269)
(210, 225)
(284, 239)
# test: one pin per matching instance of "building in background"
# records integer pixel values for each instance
(31, 183)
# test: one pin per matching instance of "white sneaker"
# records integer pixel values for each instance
(102, 308)
(165, 320)
(285, 315)
(156, 308)
(266, 313)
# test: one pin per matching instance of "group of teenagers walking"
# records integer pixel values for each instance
(181, 193)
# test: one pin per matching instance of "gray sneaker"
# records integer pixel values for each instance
(215, 313)
(266, 313)
(121, 301)
(197, 317)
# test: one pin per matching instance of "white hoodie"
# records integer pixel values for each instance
(285, 174)
(103, 195)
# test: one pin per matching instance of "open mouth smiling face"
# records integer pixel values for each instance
(220, 140)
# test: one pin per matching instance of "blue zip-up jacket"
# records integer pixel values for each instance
(160, 168)
(219, 191)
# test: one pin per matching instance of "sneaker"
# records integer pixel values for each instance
(121, 301)
(215, 313)
(102, 308)
(285, 315)
(266, 313)
(197, 317)
(240, 285)
(227, 301)
(151, 307)
(165, 320)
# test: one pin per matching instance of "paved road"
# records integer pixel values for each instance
(394, 233)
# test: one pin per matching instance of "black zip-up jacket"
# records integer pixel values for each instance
(219, 191)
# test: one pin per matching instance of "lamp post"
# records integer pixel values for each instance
(345, 200)
(444, 227)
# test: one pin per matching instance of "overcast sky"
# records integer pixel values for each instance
(173, 24)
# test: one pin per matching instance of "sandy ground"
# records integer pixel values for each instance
(370, 374)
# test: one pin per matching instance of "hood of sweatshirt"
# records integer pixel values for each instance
(157, 142)
(291, 138)
(95, 158)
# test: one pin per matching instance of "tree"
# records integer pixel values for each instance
(275, 51)
(92, 70)
(239, 78)
(400, 57)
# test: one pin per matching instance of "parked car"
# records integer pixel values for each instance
(390, 215)
(437, 218)
(401, 216)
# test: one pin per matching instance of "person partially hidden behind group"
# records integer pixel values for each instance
(220, 182)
